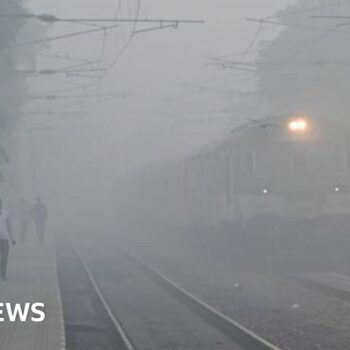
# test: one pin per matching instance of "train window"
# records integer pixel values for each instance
(272, 160)
(326, 160)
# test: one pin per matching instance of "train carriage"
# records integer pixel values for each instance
(277, 168)
(292, 167)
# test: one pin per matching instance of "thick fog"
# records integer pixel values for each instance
(75, 150)
(125, 105)
(131, 101)
(12, 90)
(304, 73)
(209, 138)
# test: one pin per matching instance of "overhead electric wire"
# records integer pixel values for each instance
(338, 25)
(80, 87)
(290, 63)
(297, 26)
(235, 54)
(58, 37)
(48, 72)
(329, 17)
(63, 58)
(128, 41)
(53, 19)
(59, 97)
(131, 20)
(221, 91)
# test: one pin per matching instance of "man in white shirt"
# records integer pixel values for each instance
(6, 238)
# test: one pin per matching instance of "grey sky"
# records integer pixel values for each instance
(158, 62)
(161, 118)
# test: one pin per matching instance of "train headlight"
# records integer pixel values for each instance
(265, 191)
(338, 189)
(298, 125)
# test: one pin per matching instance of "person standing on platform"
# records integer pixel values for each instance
(6, 238)
(39, 215)
(23, 218)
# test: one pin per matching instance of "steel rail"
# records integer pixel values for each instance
(228, 326)
(119, 329)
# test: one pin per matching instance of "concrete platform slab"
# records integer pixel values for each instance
(32, 277)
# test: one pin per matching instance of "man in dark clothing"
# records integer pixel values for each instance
(39, 214)
(6, 238)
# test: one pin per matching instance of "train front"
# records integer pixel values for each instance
(293, 167)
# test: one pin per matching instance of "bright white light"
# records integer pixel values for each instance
(265, 191)
(298, 125)
(294, 125)
(336, 189)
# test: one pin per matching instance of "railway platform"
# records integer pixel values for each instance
(32, 278)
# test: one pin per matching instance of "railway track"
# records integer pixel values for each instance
(118, 328)
(82, 291)
(89, 321)
(238, 333)
(119, 338)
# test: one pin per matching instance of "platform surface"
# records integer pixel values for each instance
(32, 277)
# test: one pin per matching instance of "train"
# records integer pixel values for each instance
(279, 168)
